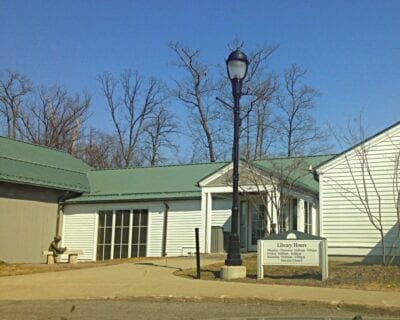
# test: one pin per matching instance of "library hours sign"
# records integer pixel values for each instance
(292, 248)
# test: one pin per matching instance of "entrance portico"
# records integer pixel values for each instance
(259, 214)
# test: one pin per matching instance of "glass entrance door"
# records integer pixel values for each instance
(243, 224)
(257, 225)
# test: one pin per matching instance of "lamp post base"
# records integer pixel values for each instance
(232, 272)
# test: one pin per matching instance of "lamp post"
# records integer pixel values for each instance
(237, 64)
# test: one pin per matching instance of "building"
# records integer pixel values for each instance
(34, 182)
(144, 211)
(359, 198)
(118, 213)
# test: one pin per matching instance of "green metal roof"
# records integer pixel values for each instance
(26, 163)
(143, 183)
(294, 170)
(180, 181)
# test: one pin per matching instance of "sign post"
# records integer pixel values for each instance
(292, 248)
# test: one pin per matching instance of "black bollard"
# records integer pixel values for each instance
(196, 231)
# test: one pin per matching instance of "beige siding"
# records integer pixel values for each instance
(343, 218)
(28, 218)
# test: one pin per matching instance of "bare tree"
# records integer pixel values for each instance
(296, 124)
(366, 191)
(158, 135)
(131, 103)
(98, 149)
(197, 92)
(13, 89)
(55, 119)
(274, 182)
(259, 89)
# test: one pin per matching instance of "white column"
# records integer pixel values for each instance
(314, 218)
(130, 233)
(202, 231)
(300, 215)
(208, 222)
(112, 235)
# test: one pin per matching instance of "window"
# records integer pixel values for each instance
(104, 235)
(258, 221)
(139, 233)
(307, 217)
(122, 234)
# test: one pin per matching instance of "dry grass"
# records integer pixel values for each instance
(341, 275)
(13, 269)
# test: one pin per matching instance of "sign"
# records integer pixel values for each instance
(292, 249)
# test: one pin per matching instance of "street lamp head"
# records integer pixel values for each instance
(237, 65)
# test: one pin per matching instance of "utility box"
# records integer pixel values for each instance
(217, 240)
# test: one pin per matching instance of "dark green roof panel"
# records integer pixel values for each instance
(25, 163)
(295, 170)
(146, 182)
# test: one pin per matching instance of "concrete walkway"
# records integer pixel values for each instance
(155, 279)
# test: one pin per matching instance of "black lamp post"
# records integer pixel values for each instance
(237, 69)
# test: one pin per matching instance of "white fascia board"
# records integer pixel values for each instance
(219, 173)
(352, 152)
(225, 169)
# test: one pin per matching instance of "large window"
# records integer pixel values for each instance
(139, 233)
(104, 235)
(258, 222)
(122, 234)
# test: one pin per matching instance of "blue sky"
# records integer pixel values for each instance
(351, 48)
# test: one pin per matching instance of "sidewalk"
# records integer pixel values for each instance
(155, 279)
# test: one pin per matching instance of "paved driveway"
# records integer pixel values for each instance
(156, 279)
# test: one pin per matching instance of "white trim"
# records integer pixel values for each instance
(112, 235)
(351, 153)
(215, 175)
(130, 233)
(95, 236)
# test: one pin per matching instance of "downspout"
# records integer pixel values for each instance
(165, 228)
(60, 208)
(314, 172)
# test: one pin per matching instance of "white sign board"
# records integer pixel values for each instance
(292, 252)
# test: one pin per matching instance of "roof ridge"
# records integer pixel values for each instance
(159, 166)
(136, 193)
(42, 165)
(43, 147)
(296, 157)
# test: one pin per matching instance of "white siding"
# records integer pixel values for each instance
(79, 233)
(183, 218)
(80, 226)
(343, 219)
(221, 214)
